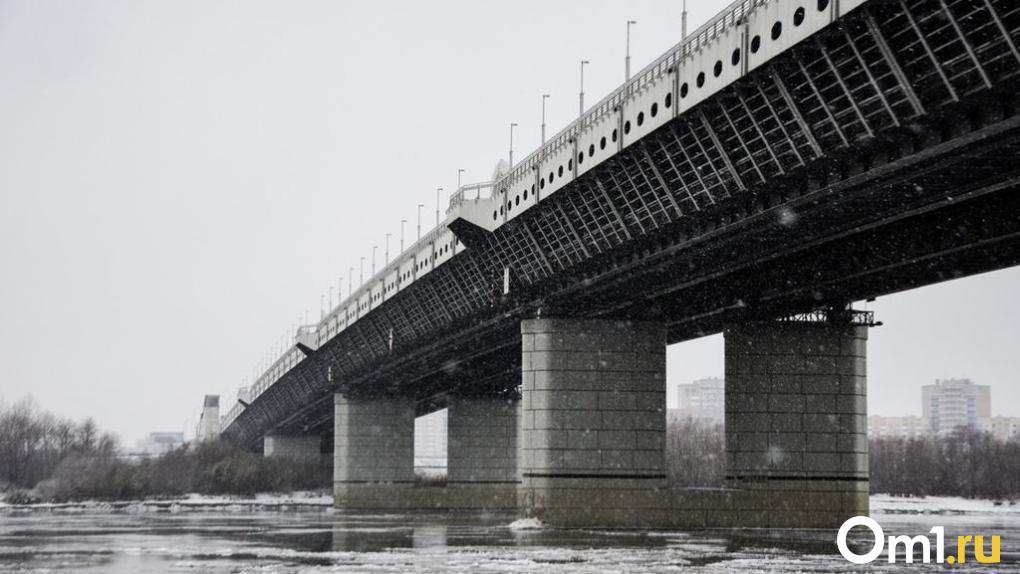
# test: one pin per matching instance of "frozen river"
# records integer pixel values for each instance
(315, 539)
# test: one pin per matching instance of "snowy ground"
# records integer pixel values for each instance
(269, 501)
(952, 505)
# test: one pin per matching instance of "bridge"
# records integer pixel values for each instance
(784, 160)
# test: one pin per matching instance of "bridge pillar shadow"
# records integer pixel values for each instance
(593, 423)
(796, 425)
(482, 452)
(294, 447)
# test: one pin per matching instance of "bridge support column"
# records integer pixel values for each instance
(593, 424)
(796, 425)
(296, 447)
(373, 464)
(481, 455)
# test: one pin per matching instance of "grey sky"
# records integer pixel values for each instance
(181, 180)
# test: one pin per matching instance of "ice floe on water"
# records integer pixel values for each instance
(525, 524)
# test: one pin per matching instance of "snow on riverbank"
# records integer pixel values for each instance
(880, 504)
(886, 504)
(267, 501)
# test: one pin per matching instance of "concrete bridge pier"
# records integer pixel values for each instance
(481, 469)
(796, 425)
(373, 464)
(294, 447)
(593, 423)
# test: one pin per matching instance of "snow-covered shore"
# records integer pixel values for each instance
(268, 501)
(880, 504)
(886, 504)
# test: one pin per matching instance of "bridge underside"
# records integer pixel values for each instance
(785, 192)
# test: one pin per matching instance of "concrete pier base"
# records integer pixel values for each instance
(592, 439)
(373, 464)
(796, 424)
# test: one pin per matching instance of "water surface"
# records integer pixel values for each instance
(221, 540)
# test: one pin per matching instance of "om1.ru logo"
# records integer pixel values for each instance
(909, 543)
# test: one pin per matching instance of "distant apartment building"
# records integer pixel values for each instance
(157, 443)
(946, 406)
(1002, 428)
(950, 404)
(905, 426)
(430, 443)
(209, 422)
(702, 399)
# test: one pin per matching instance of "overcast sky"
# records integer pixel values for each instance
(180, 181)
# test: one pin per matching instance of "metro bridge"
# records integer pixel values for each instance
(787, 158)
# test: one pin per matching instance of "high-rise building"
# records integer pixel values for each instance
(950, 404)
(209, 422)
(702, 399)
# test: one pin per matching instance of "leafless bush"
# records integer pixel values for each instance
(695, 452)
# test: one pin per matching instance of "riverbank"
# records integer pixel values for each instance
(189, 502)
(310, 500)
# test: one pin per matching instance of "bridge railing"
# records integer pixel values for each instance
(231, 416)
(731, 16)
(465, 193)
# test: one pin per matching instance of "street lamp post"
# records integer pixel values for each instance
(402, 222)
(387, 249)
(374, 249)
(583, 64)
(683, 22)
(512, 126)
(420, 206)
(460, 172)
(544, 98)
(438, 191)
(627, 59)
(350, 282)
(362, 281)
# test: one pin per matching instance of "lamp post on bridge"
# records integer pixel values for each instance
(683, 22)
(512, 126)
(544, 98)
(374, 249)
(350, 282)
(627, 59)
(581, 110)
(402, 222)
(460, 172)
(322, 306)
(331, 298)
(438, 191)
(420, 206)
(362, 280)
(387, 249)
